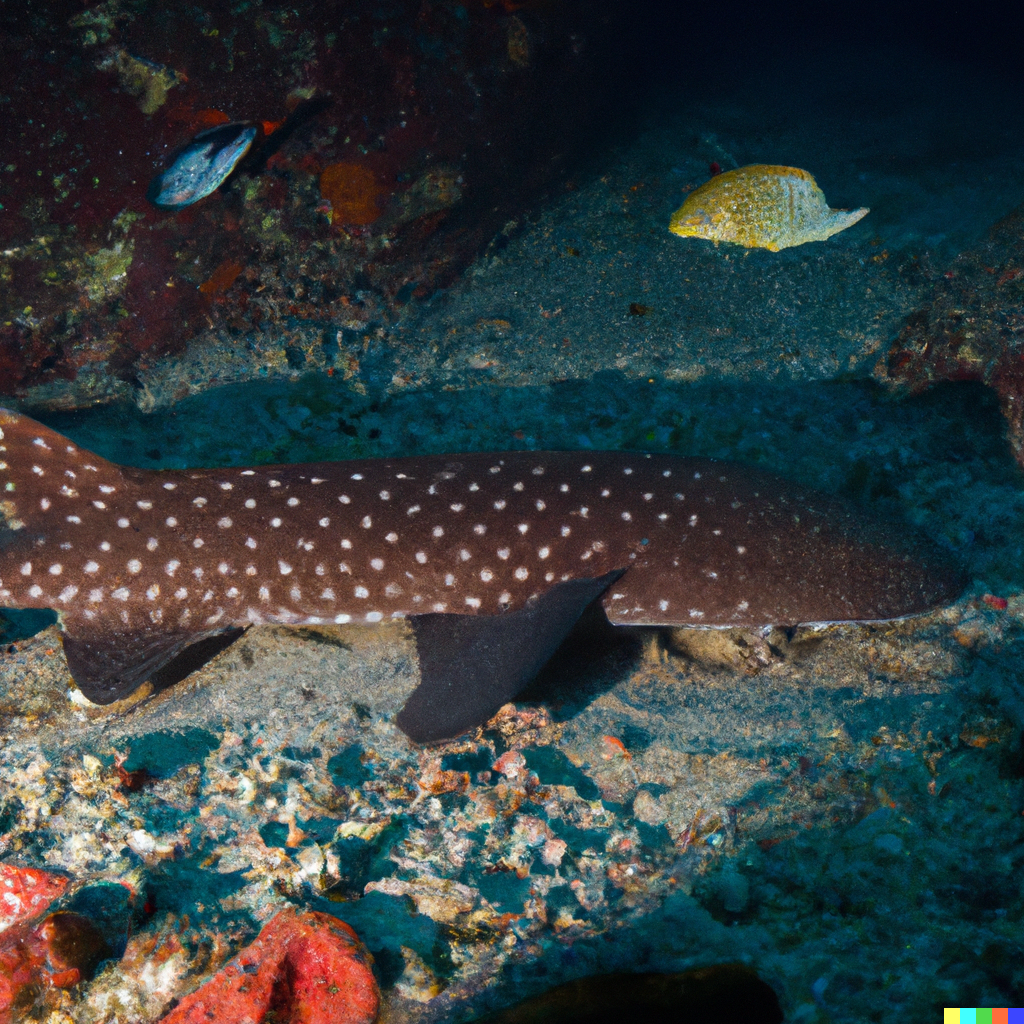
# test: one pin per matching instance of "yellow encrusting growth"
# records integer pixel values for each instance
(761, 206)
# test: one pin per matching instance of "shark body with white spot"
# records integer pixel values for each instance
(491, 556)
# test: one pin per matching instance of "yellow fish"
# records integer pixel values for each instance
(761, 206)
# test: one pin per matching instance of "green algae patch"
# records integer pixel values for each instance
(361, 861)
(386, 924)
(470, 762)
(274, 834)
(161, 754)
(504, 889)
(348, 768)
(553, 768)
(21, 623)
(182, 886)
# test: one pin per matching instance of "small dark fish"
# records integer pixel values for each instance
(725, 994)
(202, 166)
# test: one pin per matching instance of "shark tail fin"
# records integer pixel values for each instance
(45, 478)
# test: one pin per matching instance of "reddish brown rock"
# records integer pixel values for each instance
(35, 955)
(419, 130)
(303, 968)
(353, 193)
(58, 952)
(973, 327)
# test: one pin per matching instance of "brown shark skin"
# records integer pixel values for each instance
(124, 553)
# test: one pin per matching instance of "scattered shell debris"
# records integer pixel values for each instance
(673, 782)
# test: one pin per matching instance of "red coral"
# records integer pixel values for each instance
(307, 968)
(26, 892)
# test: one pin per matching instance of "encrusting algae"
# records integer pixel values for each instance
(761, 206)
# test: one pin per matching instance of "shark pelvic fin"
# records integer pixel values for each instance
(109, 666)
(472, 664)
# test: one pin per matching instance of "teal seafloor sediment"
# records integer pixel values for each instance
(840, 809)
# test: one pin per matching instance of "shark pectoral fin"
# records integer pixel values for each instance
(108, 666)
(472, 664)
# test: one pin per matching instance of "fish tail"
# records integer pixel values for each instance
(840, 220)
